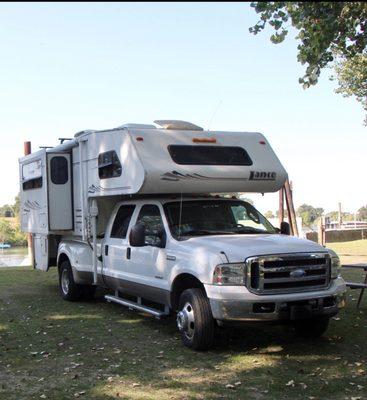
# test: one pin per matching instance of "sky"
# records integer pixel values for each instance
(67, 67)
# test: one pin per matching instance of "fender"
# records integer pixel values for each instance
(80, 257)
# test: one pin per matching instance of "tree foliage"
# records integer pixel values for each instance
(269, 214)
(309, 214)
(327, 31)
(362, 213)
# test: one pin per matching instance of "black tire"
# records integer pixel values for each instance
(195, 320)
(311, 328)
(69, 290)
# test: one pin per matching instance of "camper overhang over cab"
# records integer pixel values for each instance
(135, 159)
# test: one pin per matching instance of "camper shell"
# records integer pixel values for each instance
(74, 195)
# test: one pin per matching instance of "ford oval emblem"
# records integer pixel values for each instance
(298, 273)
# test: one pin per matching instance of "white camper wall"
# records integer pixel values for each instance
(33, 193)
(132, 172)
(148, 168)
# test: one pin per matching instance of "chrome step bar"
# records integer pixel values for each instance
(138, 306)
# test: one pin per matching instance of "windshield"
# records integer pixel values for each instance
(215, 217)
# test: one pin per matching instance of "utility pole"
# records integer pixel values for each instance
(27, 151)
(340, 215)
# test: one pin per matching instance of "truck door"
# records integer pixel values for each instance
(149, 262)
(59, 182)
(114, 251)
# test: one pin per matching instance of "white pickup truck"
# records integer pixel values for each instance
(213, 261)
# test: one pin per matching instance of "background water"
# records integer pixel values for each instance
(14, 257)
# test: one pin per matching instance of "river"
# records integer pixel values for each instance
(15, 257)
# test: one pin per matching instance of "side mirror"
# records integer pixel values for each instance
(285, 228)
(137, 235)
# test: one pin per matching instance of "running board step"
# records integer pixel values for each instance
(136, 306)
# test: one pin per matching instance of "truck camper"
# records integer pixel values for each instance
(142, 210)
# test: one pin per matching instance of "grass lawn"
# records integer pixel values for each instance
(53, 349)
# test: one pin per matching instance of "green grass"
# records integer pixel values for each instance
(354, 248)
(53, 349)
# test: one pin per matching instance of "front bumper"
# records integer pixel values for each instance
(236, 303)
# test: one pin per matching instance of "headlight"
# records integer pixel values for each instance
(230, 274)
(335, 267)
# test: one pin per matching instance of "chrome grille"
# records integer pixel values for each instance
(288, 273)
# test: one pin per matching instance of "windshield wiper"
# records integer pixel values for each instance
(206, 232)
(249, 229)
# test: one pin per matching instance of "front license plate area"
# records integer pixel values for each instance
(300, 311)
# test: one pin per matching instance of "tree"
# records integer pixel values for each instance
(362, 213)
(269, 214)
(329, 32)
(309, 214)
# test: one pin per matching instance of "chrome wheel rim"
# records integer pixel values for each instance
(186, 321)
(65, 281)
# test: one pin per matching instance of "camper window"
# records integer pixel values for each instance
(209, 155)
(59, 170)
(122, 221)
(109, 165)
(32, 175)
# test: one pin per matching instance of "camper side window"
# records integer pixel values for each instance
(122, 221)
(32, 175)
(109, 165)
(59, 170)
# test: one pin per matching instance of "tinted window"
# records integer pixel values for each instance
(122, 221)
(32, 184)
(59, 170)
(109, 165)
(209, 155)
(32, 175)
(150, 216)
(215, 217)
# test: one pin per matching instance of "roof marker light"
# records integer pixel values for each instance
(204, 140)
(262, 142)
(140, 139)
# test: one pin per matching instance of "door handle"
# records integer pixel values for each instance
(128, 253)
(106, 250)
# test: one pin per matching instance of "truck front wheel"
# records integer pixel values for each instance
(311, 328)
(195, 320)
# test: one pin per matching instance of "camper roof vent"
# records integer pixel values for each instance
(177, 125)
(136, 126)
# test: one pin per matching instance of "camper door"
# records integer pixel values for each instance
(59, 182)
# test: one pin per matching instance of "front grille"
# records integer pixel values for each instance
(288, 273)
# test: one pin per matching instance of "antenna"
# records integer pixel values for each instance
(214, 114)
(179, 220)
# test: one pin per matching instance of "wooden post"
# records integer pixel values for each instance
(281, 206)
(290, 207)
(28, 150)
(321, 232)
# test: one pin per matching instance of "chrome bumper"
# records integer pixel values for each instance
(276, 307)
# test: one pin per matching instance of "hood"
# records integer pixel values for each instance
(240, 247)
